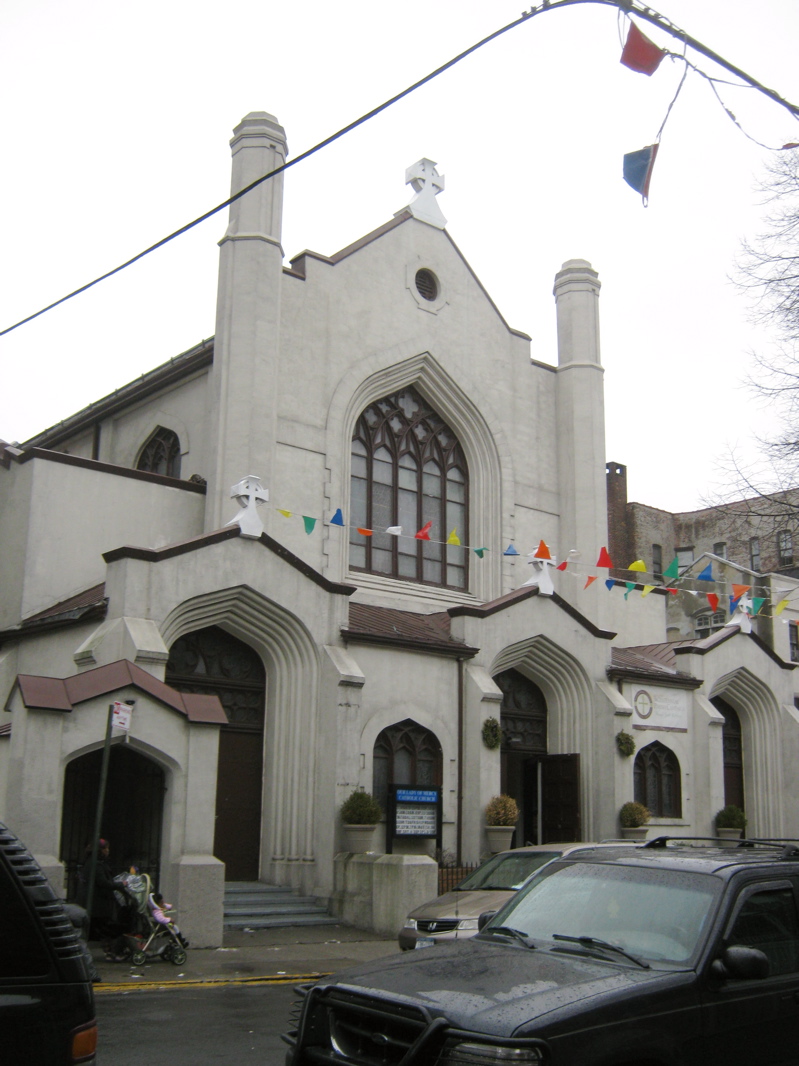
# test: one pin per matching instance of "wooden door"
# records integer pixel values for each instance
(560, 798)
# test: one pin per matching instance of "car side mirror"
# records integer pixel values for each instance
(484, 919)
(741, 963)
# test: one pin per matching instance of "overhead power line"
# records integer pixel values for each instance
(629, 7)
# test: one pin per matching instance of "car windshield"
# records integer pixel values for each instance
(507, 871)
(659, 915)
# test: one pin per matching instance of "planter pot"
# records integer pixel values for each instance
(358, 838)
(729, 834)
(634, 832)
(499, 837)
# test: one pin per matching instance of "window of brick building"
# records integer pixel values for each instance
(685, 556)
(785, 548)
(754, 553)
(793, 637)
(720, 549)
(657, 561)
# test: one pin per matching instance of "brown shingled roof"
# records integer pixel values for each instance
(382, 625)
(63, 694)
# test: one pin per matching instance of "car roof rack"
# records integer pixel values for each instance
(790, 847)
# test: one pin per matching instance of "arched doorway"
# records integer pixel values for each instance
(546, 787)
(212, 661)
(732, 745)
(132, 813)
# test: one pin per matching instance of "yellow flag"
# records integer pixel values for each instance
(639, 564)
(287, 514)
(646, 590)
(453, 538)
(780, 607)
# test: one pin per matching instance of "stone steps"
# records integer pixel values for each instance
(255, 905)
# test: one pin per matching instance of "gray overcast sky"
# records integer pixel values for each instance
(115, 125)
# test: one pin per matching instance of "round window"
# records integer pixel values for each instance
(427, 284)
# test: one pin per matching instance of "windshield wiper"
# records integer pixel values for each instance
(506, 930)
(605, 945)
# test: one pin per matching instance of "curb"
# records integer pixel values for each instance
(107, 988)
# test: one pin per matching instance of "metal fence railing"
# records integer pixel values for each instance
(450, 876)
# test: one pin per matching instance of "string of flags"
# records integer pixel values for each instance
(642, 55)
(250, 494)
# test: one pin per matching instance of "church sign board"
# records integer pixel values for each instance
(413, 812)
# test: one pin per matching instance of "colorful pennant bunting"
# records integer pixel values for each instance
(395, 531)
(639, 53)
(609, 583)
(672, 571)
(604, 559)
(337, 519)
(453, 538)
(638, 565)
(542, 552)
(739, 590)
(309, 523)
(365, 532)
(713, 600)
(424, 532)
(510, 550)
(591, 579)
(707, 573)
(638, 168)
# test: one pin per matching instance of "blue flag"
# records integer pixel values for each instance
(638, 169)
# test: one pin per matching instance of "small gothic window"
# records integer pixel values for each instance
(408, 470)
(657, 781)
(405, 754)
(161, 453)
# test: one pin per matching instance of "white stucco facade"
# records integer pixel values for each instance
(105, 564)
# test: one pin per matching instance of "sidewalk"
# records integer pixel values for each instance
(283, 953)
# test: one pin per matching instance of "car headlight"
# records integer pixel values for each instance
(472, 1054)
(468, 923)
(410, 923)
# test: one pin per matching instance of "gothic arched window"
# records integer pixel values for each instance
(408, 469)
(405, 754)
(161, 453)
(657, 781)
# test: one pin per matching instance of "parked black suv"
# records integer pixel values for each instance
(46, 999)
(676, 953)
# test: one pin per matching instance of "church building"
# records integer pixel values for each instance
(319, 552)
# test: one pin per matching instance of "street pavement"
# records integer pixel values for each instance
(268, 956)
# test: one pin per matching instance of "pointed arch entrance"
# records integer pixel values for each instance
(732, 748)
(132, 813)
(546, 787)
(212, 661)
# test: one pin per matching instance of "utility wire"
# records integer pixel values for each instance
(625, 6)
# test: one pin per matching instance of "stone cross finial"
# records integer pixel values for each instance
(541, 575)
(427, 183)
(248, 493)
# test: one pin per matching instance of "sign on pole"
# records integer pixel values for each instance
(121, 714)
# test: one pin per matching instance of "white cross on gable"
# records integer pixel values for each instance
(427, 183)
(248, 493)
(541, 575)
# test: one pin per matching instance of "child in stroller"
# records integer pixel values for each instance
(157, 935)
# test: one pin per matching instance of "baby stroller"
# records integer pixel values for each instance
(152, 939)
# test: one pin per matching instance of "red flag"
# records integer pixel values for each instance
(639, 53)
(424, 532)
(542, 552)
(365, 532)
(563, 565)
(713, 600)
(590, 581)
(739, 590)
(604, 559)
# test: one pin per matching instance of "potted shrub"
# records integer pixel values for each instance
(501, 815)
(633, 817)
(730, 822)
(360, 813)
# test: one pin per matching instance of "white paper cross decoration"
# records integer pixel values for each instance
(249, 492)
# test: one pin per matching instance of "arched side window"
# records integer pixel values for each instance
(657, 780)
(408, 469)
(161, 453)
(405, 754)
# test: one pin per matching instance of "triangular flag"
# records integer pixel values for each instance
(713, 600)
(287, 514)
(479, 552)
(563, 565)
(707, 573)
(337, 519)
(674, 592)
(453, 538)
(780, 607)
(673, 569)
(604, 559)
(365, 532)
(589, 581)
(647, 589)
(639, 53)
(757, 603)
(510, 550)
(638, 565)
(542, 551)
(630, 586)
(395, 531)
(609, 584)
(309, 523)
(739, 590)
(424, 532)
(733, 603)
(637, 169)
